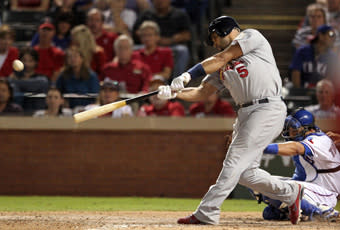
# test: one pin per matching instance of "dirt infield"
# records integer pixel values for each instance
(141, 220)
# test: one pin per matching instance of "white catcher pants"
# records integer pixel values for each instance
(255, 128)
(319, 194)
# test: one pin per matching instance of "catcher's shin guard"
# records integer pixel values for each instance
(276, 210)
(310, 209)
(272, 213)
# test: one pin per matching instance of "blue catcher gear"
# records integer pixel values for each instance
(272, 213)
(297, 124)
(277, 210)
(222, 26)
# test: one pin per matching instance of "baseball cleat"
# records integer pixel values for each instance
(189, 220)
(330, 215)
(295, 209)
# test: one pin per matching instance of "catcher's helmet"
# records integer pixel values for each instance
(299, 118)
(222, 26)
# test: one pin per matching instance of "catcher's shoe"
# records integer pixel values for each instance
(295, 209)
(330, 215)
(189, 220)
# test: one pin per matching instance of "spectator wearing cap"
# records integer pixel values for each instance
(159, 107)
(8, 53)
(213, 106)
(159, 59)
(62, 38)
(105, 39)
(55, 105)
(7, 107)
(77, 77)
(51, 58)
(109, 93)
(325, 109)
(134, 73)
(313, 62)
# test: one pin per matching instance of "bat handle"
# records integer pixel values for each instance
(139, 98)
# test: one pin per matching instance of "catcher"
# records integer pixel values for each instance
(317, 162)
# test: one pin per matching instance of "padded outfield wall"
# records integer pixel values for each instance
(172, 157)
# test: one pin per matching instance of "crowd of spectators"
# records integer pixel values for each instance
(96, 50)
(314, 61)
(315, 17)
(316, 55)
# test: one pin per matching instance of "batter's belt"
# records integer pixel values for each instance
(257, 101)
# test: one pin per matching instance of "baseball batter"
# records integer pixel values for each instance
(317, 163)
(247, 68)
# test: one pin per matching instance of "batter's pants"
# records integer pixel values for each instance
(256, 126)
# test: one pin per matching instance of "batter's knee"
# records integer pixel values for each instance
(247, 176)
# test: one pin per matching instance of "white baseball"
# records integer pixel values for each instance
(18, 65)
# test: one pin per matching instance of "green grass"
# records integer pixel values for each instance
(62, 203)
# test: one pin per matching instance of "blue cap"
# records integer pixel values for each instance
(323, 29)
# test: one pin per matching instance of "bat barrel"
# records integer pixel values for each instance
(96, 112)
(89, 114)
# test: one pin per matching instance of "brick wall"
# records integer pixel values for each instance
(110, 163)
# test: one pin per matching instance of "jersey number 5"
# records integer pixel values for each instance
(242, 71)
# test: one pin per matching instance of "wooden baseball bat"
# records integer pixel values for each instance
(89, 114)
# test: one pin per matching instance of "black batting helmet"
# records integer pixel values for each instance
(222, 26)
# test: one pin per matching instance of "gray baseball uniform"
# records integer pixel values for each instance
(252, 77)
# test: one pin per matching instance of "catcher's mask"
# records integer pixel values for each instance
(222, 26)
(297, 124)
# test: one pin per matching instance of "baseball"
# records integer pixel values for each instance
(18, 65)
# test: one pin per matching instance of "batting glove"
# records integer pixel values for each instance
(179, 82)
(165, 92)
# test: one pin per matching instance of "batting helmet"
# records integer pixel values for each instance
(222, 26)
(301, 120)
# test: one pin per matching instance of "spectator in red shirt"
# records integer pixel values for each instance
(132, 72)
(159, 107)
(94, 55)
(159, 59)
(8, 53)
(51, 58)
(95, 21)
(213, 106)
(175, 31)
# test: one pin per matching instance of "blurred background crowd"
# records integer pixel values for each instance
(80, 54)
